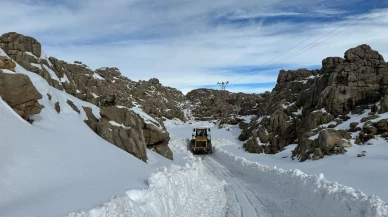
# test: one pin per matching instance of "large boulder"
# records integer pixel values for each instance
(359, 80)
(122, 128)
(252, 146)
(157, 139)
(13, 42)
(313, 120)
(27, 52)
(19, 92)
(163, 150)
(129, 139)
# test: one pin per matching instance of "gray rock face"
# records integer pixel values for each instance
(13, 42)
(305, 102)
(18, 91)
(26, 51)
(164, 151)
(209, 104)
(124, 129)
(328, 140)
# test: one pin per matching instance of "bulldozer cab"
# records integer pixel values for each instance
(201, 140)
(201, 132)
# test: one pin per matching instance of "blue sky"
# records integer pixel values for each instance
(189, 44)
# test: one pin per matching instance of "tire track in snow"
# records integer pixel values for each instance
(248, 203)
(224, 174)
(232, 199)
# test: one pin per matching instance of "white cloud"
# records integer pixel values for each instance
(182, 42)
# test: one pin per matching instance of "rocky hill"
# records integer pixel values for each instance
(326, 110)
(210, 104)
(132, 113)
(323, 111)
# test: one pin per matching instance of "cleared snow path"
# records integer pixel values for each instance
(223, 184)
(179, 191)
(242, 201)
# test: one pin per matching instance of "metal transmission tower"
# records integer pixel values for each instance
(223, 84)
(222, 104)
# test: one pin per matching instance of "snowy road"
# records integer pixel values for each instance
(243, 200)
(224, 185)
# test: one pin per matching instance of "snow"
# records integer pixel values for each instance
(357, 118)
(114, 123)
(299, 112)
(95, 95)
(97, 76)
(286, 106)
(36, 65)
(300, 193)
(2, 53)
(57, 164)
(78, 172)
(29, 53)
(173, 191)
(367, 174)
(7, 71)
(156, 159)
(314, 137)
(248, 118)
(301, 81)
(64, 79)
(342, 174)
(44, 56)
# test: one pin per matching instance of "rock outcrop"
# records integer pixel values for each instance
(108, 89)
(305, 103)
(7, 63)
(27, 52)
(20, 94)
(210, 104)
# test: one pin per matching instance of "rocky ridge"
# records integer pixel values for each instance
(326, 110)
(210, 104)
(132, 113)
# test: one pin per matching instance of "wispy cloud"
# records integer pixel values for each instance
(189, 44)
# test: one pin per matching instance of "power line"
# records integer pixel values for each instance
(312, 43)
(299, 51)
(324, 27)
(332, 35)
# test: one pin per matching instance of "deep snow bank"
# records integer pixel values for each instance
(58, 164)
(297, 191)
(173, 191)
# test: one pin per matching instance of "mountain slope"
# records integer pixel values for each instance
(57, 164)
(118, 97)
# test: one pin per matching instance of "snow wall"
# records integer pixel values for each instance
(170, 193)
(310, 195)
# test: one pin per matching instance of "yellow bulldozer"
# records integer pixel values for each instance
(201, 141)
